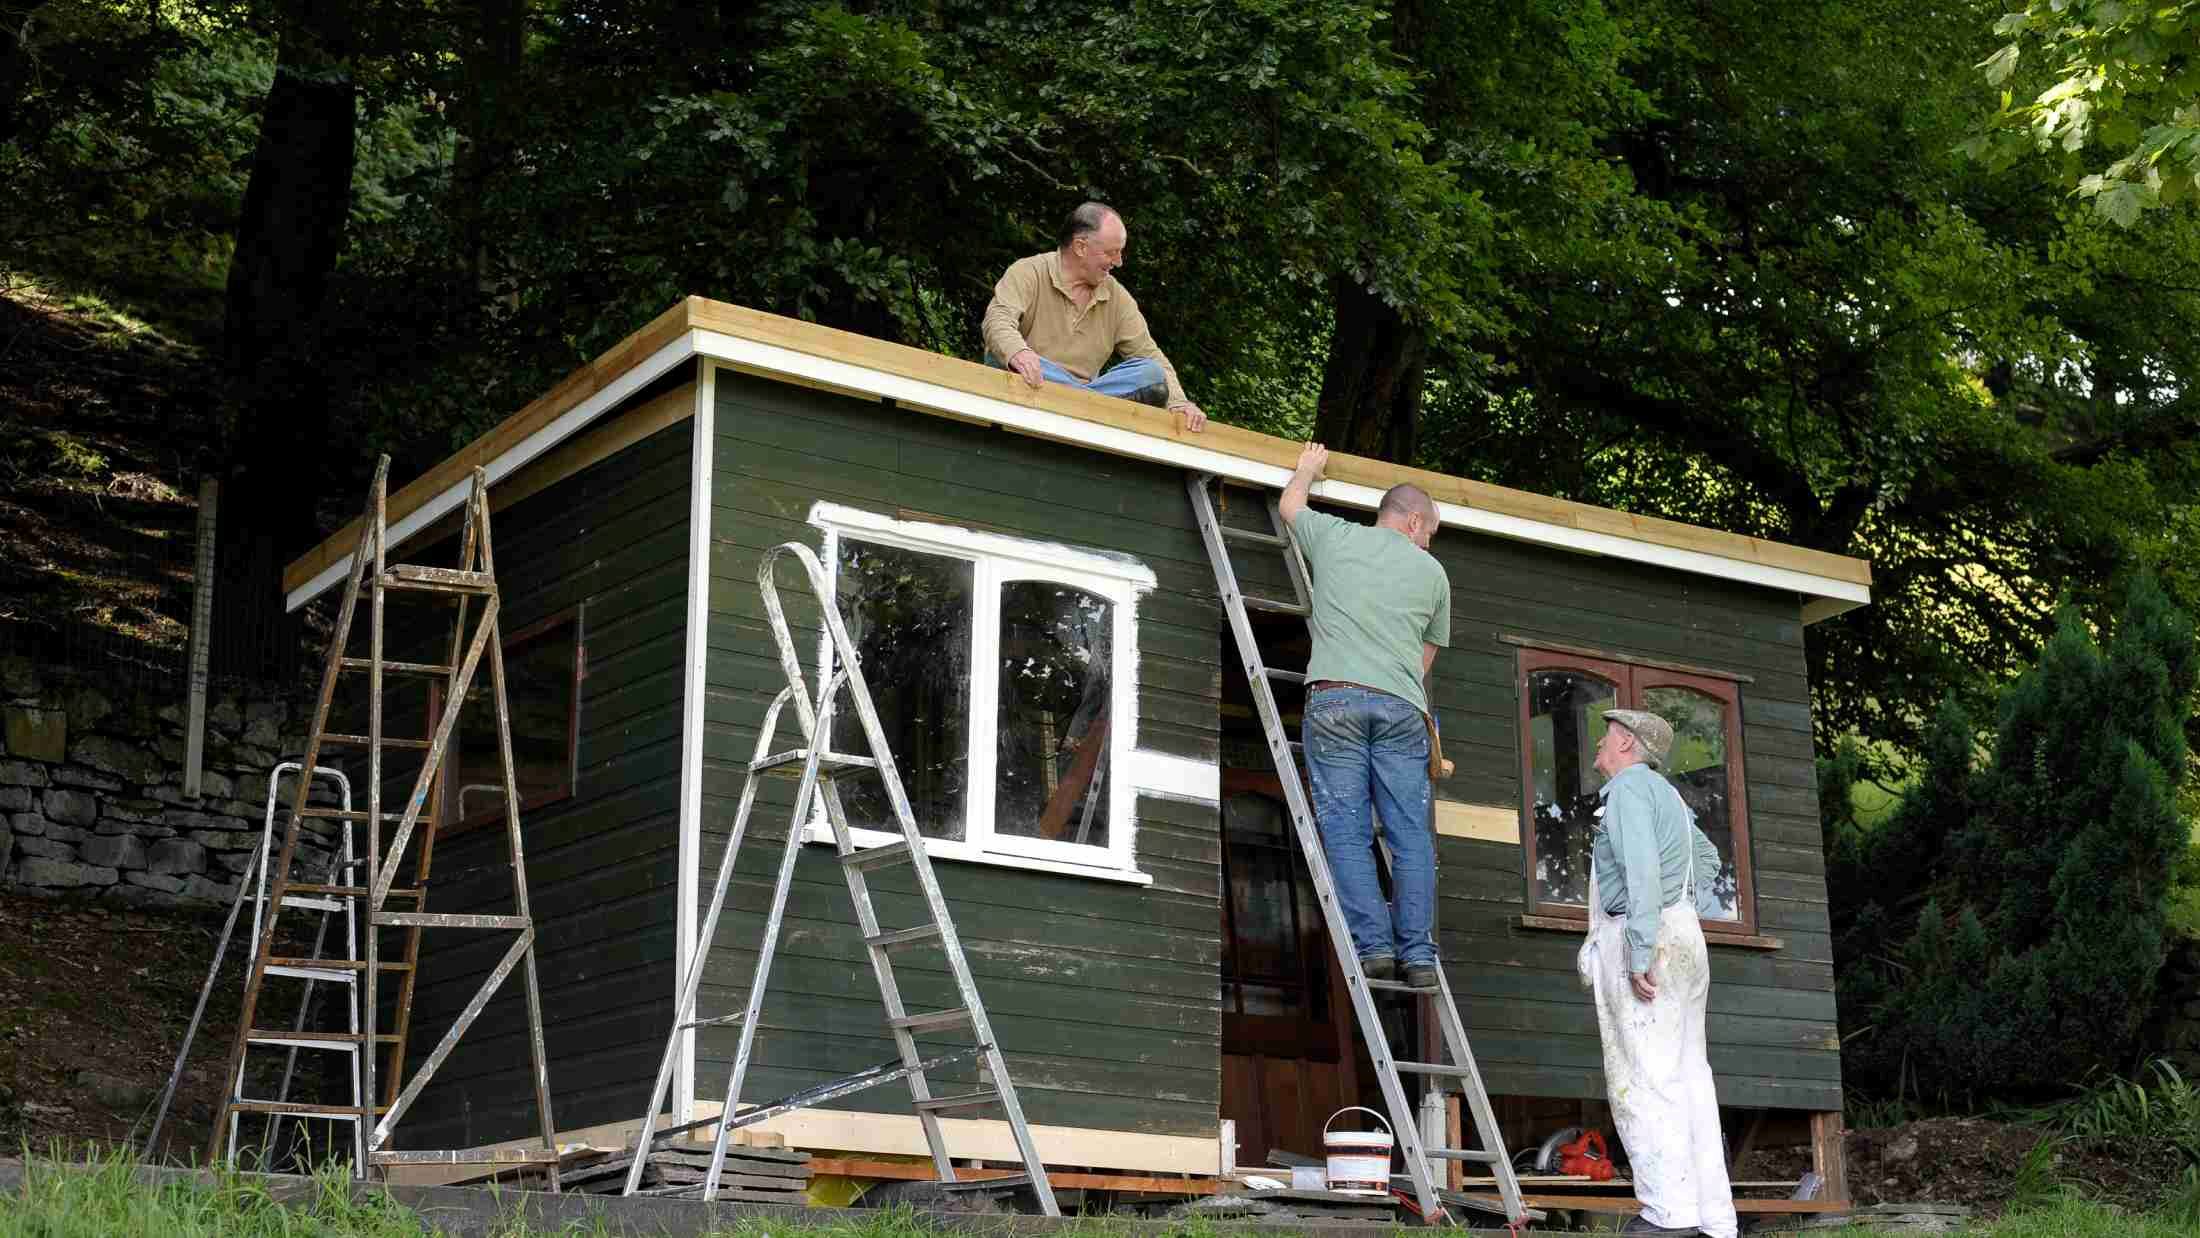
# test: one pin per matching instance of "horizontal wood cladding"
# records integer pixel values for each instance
(611, 541)
(1773, 1037)
(1104, 995)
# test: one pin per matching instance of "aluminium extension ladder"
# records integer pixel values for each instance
(370, 885)
(816, 768)
(1420, 1159)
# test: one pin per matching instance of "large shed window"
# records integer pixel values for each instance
(1563, 698)
(998, 670)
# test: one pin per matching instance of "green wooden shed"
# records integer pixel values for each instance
(1042, 630)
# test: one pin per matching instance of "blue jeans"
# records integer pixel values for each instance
(1367, 756)
(1134, 378)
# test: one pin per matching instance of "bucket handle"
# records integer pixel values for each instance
(1361, 1109)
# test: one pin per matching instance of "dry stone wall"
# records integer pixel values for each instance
(91, 790)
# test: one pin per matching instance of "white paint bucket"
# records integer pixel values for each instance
(1359, 1161)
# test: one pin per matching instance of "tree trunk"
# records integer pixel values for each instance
(486, 105)
(1371, 388)
(289, 235)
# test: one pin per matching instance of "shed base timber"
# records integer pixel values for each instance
(876, 1134)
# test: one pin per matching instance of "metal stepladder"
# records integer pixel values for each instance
(1421, 1160)
(369, 882)
(315, 967)
(816, 768)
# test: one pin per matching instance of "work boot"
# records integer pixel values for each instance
(1379, 967)
(1639, 1224)
(1156, 394)
(1423, 975)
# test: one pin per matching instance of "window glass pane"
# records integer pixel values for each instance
(1275, 964)
(1697, 768)
(1052, 778)
(1565, 721)
(908, 615)
(538, 699)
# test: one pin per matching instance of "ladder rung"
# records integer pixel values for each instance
(874, 857)
(438, 579)
(1400, 986)
(446, 919)
(968, 1100)
(1275, 607)
(1284, 675)
(931, 1020)
(307, 887)
(1254, 536)
(1429, 1068)
(1475, 1157)
(469, 1156)
(905, 937)
(723, 1020)
(319, 1038)
(362, 741)
(312, 904)
(345, 965)
(398, 668)
(788, 764)
(359, 814)
(330, 974)
(301, 1109)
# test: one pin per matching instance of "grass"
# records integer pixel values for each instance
(104, 1199)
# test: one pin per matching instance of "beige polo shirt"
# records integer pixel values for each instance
(1031, 308)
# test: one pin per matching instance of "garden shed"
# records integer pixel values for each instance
(1042, 631)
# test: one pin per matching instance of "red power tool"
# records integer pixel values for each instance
(1585, 1156)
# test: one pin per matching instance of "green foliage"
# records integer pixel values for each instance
(2001, 932)
(2135, 1117)
(2118, 75)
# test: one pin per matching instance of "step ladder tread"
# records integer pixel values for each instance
(437, 579)
(1431, 1068)
(916, 935)
(931, 1020)
(964, 1100)
(875, 857)
(318, 1038)
(1473, 1156)
(391, 666)
(1276, 606)
(342, 965)
(362, 741)
(361, 814)
(724, 1020)
(1252, 536)
(336, 891)
(789, 764)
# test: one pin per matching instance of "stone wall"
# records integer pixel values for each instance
(91, 790)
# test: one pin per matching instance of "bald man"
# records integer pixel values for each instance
(1381, 610)
(1063, 317)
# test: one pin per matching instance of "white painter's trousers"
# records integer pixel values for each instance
(1658, 1074)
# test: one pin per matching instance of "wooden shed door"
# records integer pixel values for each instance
(1289, 1056)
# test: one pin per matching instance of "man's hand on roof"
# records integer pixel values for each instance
(1194, 419)
(1026, 363)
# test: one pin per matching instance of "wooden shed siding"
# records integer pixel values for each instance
(1773, 1036)
(611, 540)
(1104, 994)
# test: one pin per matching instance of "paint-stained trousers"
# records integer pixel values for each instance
(1658, 1074)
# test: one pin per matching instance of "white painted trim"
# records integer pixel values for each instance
(564, 427)
(694, 693)
(818, 831)
(1173, 777)
(770, 358)
(931, 535)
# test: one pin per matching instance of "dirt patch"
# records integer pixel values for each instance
(1976, 1162)
(95, 1002)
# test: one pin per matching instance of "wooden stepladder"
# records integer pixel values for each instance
(1421, 1161)
(816, 768)
(370, 883)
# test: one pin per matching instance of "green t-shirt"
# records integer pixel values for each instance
(1377, 597)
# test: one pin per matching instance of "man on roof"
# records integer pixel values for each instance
(1062, 317)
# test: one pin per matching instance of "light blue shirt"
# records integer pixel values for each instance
(1644, 846)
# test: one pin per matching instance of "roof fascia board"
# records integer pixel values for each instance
(771, 360)
(675, 351)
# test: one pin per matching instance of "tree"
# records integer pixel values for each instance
(2119, 74)
(2000, 934)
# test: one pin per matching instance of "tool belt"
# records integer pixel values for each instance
(1438, 767)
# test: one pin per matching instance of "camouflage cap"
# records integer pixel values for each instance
(1655, 734)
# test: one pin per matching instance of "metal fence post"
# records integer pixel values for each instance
(202, 618)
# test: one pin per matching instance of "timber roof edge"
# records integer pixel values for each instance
(805, 353)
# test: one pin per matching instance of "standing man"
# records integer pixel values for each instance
(1646, 962)
(1061, 317)
(1381, 610)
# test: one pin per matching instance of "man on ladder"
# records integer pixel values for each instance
(1381, 608)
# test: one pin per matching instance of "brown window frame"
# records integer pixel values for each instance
(446, 779)
(1631, 678)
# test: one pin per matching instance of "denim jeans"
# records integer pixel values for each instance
(1134, 378)
(1367, 756)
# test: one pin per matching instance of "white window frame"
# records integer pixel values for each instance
(997, 560)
